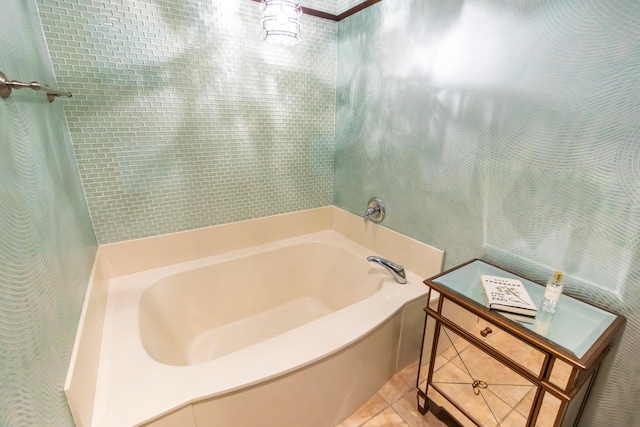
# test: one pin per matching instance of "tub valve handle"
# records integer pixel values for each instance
(375, 211)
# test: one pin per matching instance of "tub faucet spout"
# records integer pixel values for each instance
(397, 271)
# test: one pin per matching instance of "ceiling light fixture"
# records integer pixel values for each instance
(281, 21)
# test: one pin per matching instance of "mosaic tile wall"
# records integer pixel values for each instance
(182, 116)
(47, 244)
(510, 131)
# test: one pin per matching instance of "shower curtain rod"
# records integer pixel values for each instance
(6, 85)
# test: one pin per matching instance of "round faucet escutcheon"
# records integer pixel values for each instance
(375, 211)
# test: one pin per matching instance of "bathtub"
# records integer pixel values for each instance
(297, 331)
(204, 313)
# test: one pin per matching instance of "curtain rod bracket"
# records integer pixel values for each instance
(7, 85)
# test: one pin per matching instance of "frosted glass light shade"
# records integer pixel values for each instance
(281, 21)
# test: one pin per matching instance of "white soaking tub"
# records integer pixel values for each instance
(299, 331)
(204, 313)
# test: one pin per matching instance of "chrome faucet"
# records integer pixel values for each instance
(372, 211)
(375, 211)
(397, 271)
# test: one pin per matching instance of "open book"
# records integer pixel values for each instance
(505, 294)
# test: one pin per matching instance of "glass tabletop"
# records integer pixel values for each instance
(575, 326)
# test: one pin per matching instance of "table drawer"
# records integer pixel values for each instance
(510, 346)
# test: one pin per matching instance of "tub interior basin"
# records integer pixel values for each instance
(197, 315)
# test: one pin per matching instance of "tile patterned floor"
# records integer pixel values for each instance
(394, 405)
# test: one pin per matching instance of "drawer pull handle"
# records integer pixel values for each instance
(477, 385)
(486, 331)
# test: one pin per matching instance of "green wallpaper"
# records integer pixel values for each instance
(47, 244)
(509, 131)
(182, 116)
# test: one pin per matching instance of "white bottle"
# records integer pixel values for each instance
(552, 293)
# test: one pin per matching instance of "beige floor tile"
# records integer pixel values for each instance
(371, 408)
(387, 418)
(407, 408)
(394, 405)
(410, 373)
(396, 388)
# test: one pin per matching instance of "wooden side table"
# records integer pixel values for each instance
(487, 370)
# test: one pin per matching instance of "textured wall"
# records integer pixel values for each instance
(46, 240)
(328, 6)
(182, 116)
(344, 5)
(507, 130)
